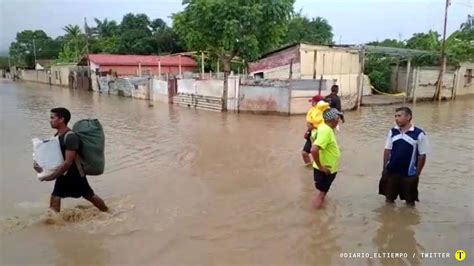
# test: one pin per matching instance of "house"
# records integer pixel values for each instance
(457, 80)
(305, 61)
(137, 65)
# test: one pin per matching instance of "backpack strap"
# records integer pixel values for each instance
(77, 160)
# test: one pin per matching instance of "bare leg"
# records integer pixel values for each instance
(98, 202)
(55, 203)
(306, 158)
(318, 201)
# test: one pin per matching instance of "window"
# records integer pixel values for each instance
(258, 75)
(468, 77)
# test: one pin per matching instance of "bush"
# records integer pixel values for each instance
(379, 70)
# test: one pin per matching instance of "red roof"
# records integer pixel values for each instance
(144, 60)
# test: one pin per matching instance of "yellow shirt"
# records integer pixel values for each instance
(315, 114)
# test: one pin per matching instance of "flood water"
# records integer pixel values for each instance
(203, 188)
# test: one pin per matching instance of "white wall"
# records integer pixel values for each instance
(160, 90)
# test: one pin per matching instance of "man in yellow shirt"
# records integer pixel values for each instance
(326, 154)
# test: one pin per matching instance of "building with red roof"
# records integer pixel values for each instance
(128, 65)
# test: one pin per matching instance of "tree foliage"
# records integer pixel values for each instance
(74, 45)
(314, 31)
(230, 28)
(388, 43)
(135, 35)
(233, 27)
(22, 50)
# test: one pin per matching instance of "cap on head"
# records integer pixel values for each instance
(316, 99)
(331, 114)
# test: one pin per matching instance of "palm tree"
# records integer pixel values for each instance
(105, 28)
(72, 31)
(75, 38)
(469, 24)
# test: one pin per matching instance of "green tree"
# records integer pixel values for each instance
(74, 44)
(469, 24)
(164, 37)
(104, 37)
(22, 50)
(388, 43)
(105, 28)
(230, 28)
(315, 31)
(4, 62)
(425, 41)
(378, 68)
(135, 35)
(460, 44)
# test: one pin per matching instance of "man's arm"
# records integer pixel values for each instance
(70, 157)
(420, 164)
(338, 104)
(386, 158)
(423, 149)
(315, 153)
(387, 151)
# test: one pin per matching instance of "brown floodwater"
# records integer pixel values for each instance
(203, 188)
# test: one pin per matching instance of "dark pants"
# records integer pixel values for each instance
(392, 185)
(323, 181)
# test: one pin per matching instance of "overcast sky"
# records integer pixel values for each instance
(353, 21)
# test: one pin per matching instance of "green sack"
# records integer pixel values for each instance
(92, 145)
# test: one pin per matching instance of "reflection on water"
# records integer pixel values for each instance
(196, 187)
(396, 234)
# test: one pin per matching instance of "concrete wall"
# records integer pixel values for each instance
(463, 87)
(426, 79)
(160, 91)
(57, 75)
(266, 100)
(60, 73)
(303, 90)
(40, 76)
(121, 87)
(211, 88)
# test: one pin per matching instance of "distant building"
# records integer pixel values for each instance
(305, 61)
(136, 65)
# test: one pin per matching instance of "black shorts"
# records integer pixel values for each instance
(72, 185)
(323, 181)
(307, 146)
(393, 185)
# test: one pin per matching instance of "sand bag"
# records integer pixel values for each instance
(47, 154)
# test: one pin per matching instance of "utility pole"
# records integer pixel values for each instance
(87, 54)
(439, 87)
(34, 50)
